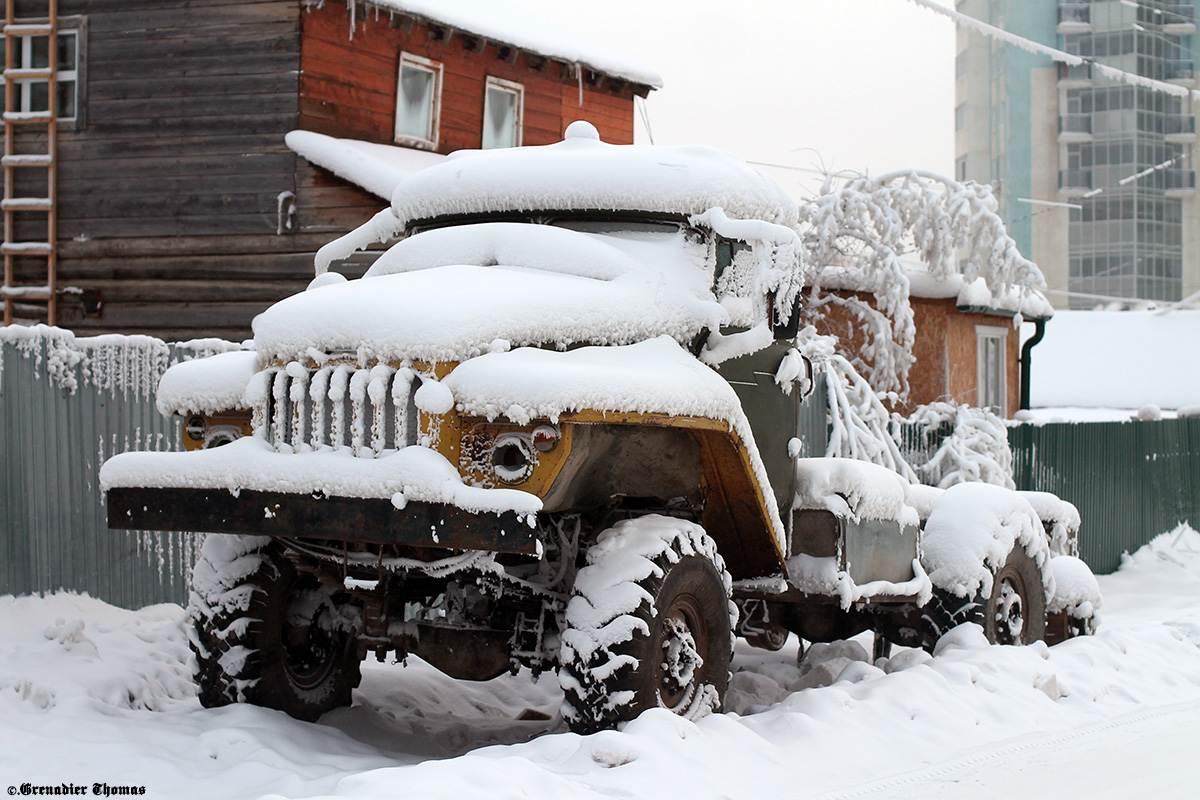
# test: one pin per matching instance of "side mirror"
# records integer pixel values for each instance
(791, 326)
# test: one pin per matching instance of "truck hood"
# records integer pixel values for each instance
(458, 311)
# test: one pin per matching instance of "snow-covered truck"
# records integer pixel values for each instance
(554, 426)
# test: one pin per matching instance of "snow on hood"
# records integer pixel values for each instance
(454, 312)
(652, 377)
(207, 385)
(378, 168)
(581, 173)
(514, 25)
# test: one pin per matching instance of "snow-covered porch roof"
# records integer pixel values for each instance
(374, 167)
(513, 25)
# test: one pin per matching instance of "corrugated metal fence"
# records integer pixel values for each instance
(1130, 480)
(66, 405)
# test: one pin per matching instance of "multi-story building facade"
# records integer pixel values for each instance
(1062, 144)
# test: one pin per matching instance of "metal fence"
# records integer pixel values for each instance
(1130, 480)
(66, 405)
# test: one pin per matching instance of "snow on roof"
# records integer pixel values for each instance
(514, 25)
(378, 168)
(581, 173)
(1118, 359)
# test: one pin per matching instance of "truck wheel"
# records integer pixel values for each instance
(650, 625)
(264, 634)
(1015, 613)
(944, 612)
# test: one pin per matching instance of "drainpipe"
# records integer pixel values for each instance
(1026, 359)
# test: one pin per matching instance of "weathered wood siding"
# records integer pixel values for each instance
(168, 194)
(348, 86)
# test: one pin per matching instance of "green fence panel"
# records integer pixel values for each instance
(1130, 480)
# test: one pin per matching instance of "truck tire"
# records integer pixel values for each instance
(264, 634)
(1015, 612)
(649, 625)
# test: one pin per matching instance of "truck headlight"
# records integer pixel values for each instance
(513, 458)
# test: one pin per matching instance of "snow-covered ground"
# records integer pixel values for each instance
(91, 694)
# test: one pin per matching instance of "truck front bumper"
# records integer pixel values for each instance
(348, 519)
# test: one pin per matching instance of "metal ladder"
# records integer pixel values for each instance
(15, 118)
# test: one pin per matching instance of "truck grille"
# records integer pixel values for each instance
(370, 411)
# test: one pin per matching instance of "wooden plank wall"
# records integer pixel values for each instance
(168, 195)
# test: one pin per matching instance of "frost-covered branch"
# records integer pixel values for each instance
(858, 234)
(977, 450)
(858, 421)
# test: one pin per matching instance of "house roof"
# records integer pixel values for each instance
(378, 168)
(1118, 359)
(513, 25)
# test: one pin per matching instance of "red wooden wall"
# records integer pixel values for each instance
(348, 87)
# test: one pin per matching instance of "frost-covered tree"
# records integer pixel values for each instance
(859, 231)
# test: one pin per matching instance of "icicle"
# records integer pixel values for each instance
(377, 391)
(337, 398)
(579, 75)
(353, 21)
(318, 391)
(358, 401)
(401, 391)
(256, 396)
(279, 394)
(298, 395)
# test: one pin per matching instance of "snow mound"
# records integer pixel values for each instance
(854, 489)
(463, 309)
(72, 650)
(971, 531)
(207, 385)
(1060, 519)
(1075, 588)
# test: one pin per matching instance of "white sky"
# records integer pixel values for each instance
(842, 84)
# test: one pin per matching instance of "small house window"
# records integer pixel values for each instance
(32, 52)
(991, 368)
(503, 108)
(960, 117)
(418, 101)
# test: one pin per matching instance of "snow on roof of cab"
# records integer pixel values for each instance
(581, 173)
(511, 24)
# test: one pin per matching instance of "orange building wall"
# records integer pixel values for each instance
(944, 357)
(348, 87)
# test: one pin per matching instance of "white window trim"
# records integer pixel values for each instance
(517, 89)
(983, 333)
(419, 62)
(24, 86)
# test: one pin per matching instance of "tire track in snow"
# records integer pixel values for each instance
(992, 756)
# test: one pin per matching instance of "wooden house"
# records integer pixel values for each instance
(159, 195)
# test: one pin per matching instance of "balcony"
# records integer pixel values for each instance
(1180, 71)
(1180, 182)
(1075, 128)
(1074, 182)
(1179, 128)
(1074, 76)
(1074, 17)
(1179, 20)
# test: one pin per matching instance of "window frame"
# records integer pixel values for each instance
(510, 87)
(75, 26)
(988, 385)
(413, 61)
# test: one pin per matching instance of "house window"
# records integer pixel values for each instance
(32, 52)
(418, 101)
(503, 108)
(960, 117)
(960, 168)
(991, 368)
